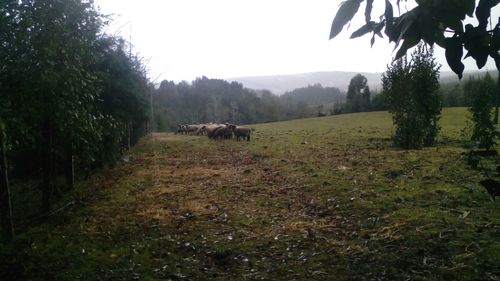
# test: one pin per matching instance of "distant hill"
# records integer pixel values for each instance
(279, 84)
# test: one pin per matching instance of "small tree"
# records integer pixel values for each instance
(480, 92)
(358, 94)
(411, 90)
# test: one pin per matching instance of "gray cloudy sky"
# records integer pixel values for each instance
(185, 39)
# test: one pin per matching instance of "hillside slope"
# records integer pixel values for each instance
(312, 199)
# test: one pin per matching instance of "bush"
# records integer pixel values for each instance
(411, 92)
(480, 94)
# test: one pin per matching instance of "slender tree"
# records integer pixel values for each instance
(411, 91)
(6, 222)
(480, 93)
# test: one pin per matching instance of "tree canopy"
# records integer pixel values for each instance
(69, 92)
(358, 94)
(431, 21)
(411, 90)
(215, 100)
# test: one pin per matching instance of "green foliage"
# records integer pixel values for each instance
(480, 92)
(452, 91)
(211, 100)
(123, 99)
(411, 90)
(314, 95)
(378, 102)
(67, 90)
(452, 95)
(429, 22)
(215, 100)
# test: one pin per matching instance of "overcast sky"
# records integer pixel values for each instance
(185, 39)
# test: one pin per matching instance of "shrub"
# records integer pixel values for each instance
(411, 92)
(480, 94)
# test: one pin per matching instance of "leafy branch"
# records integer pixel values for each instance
(429, 21)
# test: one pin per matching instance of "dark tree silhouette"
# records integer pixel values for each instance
(358, 94)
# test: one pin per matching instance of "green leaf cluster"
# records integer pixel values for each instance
(68, 91)
(358, 95)
(433, 22)
(411, 91)
(480, 92)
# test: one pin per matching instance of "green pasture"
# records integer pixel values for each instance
(326, 198)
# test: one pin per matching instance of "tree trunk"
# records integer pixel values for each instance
(129, 132)
(70, 165)
(47, 164)
(497, 100)
(5, 203)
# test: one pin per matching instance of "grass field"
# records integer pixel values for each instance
(314, 199)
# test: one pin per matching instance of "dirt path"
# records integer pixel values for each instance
(295, 203)
(213, 211)
(210, 184)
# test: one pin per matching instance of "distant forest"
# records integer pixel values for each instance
(452, 90)
(216, 100)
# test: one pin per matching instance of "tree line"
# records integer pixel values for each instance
(215, 100)
(72, 97)
(456, 95)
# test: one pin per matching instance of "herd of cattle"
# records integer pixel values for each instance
(215, 131)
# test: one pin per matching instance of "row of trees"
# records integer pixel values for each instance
(359, 98)
(71, 96)
(482, 95)
(215, 100)
(454, 94)
(315, 95)
(206, 100)
(430, 22)
(411, 90)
